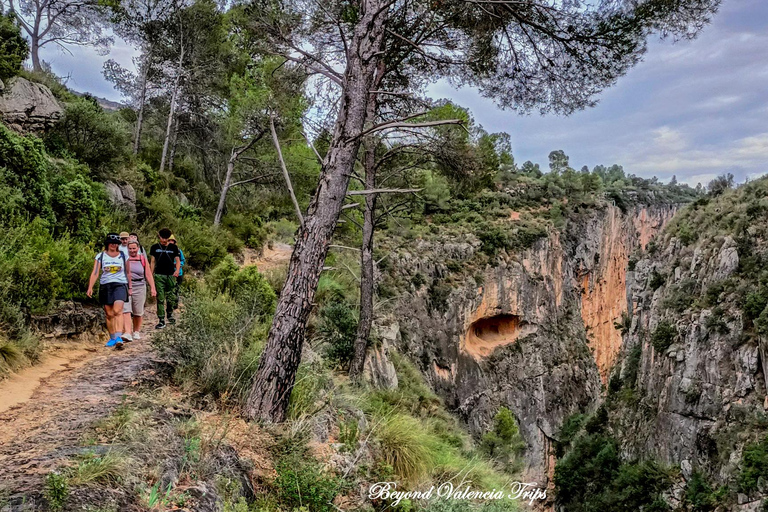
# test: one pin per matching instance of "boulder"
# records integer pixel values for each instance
(122, 195)
(29, 107)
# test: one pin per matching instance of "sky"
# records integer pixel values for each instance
(694, 109)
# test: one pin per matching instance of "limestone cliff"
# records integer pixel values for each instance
(694, 350)
(532, 331)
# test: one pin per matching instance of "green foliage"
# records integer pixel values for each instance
(302, 482)
(699, 495)
(23, 168)
(681, 296)
(249, 229)
(56, 491)
(337, 329)
(504, 443)
(13, 47)
(663, 336)
(657, 280)
(36, 270)
(215, 346)
(754, 465)
(405, 446)
(311, 380)
(592, 477)
(91, 135)
(109, 469)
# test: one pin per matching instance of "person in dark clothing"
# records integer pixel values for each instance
(165, 265)
(173, 241)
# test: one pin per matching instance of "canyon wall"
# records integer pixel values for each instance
(533, 331)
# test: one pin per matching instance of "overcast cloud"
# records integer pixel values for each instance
(694, 109)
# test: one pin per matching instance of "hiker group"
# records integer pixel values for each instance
(126, 272)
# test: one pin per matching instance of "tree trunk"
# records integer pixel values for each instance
(34, 53)
(275, 376)
(366, 267)
(169, 126)
(172, 113)
(225, 188)
(174, 141)
(286, 176)
(142, 101)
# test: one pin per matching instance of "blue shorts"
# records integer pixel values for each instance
(111, 292)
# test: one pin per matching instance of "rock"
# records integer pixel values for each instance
(70, 320)
(29, 107)
(379, 370)
(206, 498)
(2, 87)
(123, 196)
(686, 468)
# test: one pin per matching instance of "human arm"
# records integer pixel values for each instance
(93, 277)
(178, 266)
(127, 271)
(151, 280)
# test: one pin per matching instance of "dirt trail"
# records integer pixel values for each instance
(45, 424)
(271, 259)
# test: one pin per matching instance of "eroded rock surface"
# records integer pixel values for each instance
(28, 107)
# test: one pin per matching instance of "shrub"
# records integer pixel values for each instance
(593, 478)
(249, 229)
(23, 167)
(302, 482)
(681, 296)
(663, 336)
(657, 280)
(504, 442)
(754, 465)
(311, 380)
(56, 491)
(13, 47)
(216, 344)
(337, 329)
(699, 494)
(91, 135)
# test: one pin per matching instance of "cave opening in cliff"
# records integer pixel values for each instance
(486, 334)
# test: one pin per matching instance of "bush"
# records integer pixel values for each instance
(91, 135)
(504, 443)
(663, 336)
(754, 465)
(215, 346)
(302, 482)
(23, 168)
(249, 229)
(657, 280)
(337, 329)
(13, 47)
(593, 478)
(36, 271)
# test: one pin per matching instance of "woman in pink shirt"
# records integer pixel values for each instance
(140, 274)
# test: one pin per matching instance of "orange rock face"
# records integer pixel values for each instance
(603, 299)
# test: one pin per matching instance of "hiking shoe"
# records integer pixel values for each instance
(171, 320)
(160, 325)
(112, 342)
(119, 345)
(136, 336)
(127, 338)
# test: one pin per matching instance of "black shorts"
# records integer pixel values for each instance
(111, 292)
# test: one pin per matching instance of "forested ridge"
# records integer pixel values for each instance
(255, 125)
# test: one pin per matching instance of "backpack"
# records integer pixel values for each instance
(101, 258)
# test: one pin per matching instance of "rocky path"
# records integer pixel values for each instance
(45, 410)
(39, 433)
